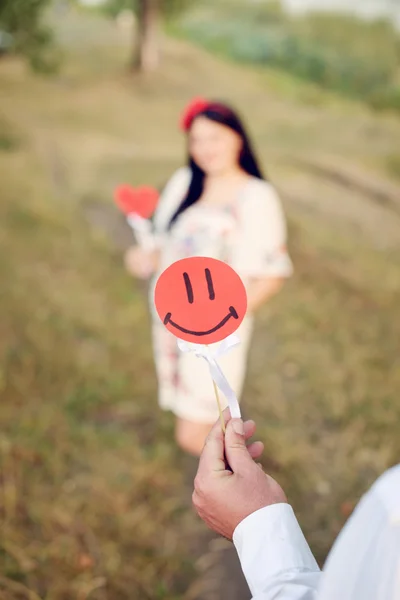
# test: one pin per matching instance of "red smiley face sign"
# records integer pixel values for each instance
(140, 201)
(200, 300)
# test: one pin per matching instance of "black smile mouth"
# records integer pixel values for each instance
(232, 314)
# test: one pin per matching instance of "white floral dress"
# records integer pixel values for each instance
(249, 233)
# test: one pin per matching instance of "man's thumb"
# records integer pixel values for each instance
(236, 451)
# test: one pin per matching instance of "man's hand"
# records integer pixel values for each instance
(224, 498)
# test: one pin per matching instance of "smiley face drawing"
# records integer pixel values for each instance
(200, 300)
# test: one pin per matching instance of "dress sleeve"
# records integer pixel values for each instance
(171, 196)
(260, 248)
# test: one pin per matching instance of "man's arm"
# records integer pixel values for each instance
(275, 557)
(249, 506)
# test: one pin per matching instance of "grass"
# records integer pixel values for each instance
(82, 478)
(393, 165)
(94, 502)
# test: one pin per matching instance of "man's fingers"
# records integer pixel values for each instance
(249, 426)
(236, 451)
(255, 449)
(212, 457)
(249, 429)
(227, 415)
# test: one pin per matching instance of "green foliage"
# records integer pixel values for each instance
(32, 38)
(336, 52)
(169, 8)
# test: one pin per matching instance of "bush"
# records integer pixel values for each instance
(336, 52)
(23, 20)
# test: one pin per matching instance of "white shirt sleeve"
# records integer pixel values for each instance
(260, 249)
(171, 197)
(275, 557)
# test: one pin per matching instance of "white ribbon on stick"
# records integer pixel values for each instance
(211, 355)
(143, 231)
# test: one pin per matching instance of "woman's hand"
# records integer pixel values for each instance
(141, 263)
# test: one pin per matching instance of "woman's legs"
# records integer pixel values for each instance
(190, 436)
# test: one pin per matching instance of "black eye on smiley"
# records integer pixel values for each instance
(189, 288)
(190, 295)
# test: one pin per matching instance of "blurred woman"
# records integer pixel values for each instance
(220, 206)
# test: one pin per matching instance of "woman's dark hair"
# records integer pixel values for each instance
(219, 113)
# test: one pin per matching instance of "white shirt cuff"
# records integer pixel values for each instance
(273, 550)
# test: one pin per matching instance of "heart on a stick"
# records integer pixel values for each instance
(141, 201)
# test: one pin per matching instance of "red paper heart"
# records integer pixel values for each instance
(140, 201)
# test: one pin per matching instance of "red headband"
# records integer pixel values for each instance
(195, 106)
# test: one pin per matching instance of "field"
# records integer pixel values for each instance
(95, 497)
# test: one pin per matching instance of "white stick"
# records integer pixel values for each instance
(143, 231)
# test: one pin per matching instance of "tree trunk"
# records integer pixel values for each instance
(147, 54)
